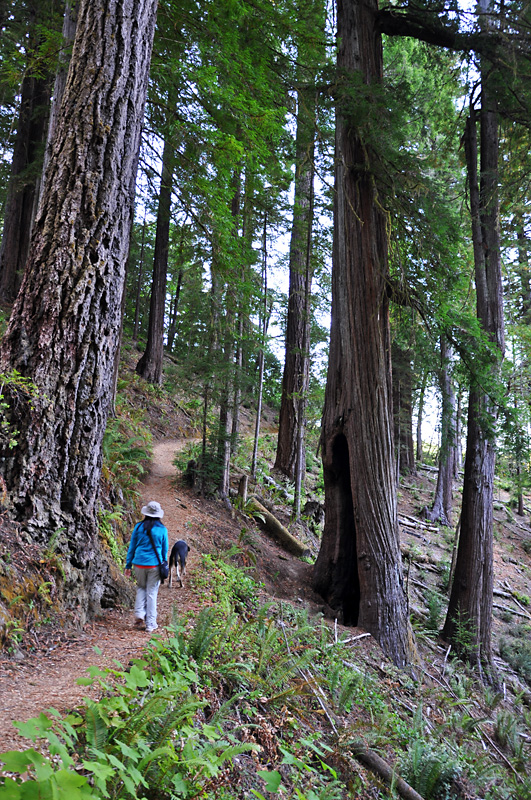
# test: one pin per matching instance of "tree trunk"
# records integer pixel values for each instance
(263, 323)
(358, 569)
(226, 407)
(296, 376)
(469, 619)
(149, 366)
(25, 170)
(69, 32)
(65, 324)
(458, 461)
(403, 409)
(523, 268)
(441, 510)
(138, 293)
(420, 414)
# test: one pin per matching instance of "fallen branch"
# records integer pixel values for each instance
(512, 610)
(376, 764)
(276, 529)
(406, 519)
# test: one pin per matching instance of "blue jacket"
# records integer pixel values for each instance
(140, 550)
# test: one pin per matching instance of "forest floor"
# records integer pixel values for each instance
(31, 682)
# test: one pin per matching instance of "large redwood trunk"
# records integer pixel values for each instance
(359, 569)
(65, 325)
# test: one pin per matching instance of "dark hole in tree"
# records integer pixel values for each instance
(347, 585)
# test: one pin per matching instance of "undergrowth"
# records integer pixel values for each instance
(259, 700)
(126, 451)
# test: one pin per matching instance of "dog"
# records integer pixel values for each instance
(178, 556)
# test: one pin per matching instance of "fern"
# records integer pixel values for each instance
(428, 772)
(203, 636)
(96, 730)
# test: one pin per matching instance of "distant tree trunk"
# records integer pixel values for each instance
(441, 510)
(65, 324)
(25, 171)
(523, 269)
(238, 378)
(262, 328)
(243, 325)
(296, 374)
(525, 317)
(226, 408)
(469, 619)
(136, 325)
(149, 366)
(358, 569)
(172, 328)
(458, 461)
(403, 409)
(420, 414)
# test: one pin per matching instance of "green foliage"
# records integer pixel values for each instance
(108, 533)
(126, 450)
(465, 635)
(15, 389)
(506, 730)
(430, 772)
(230, 583)
(126, 742)
(517, 652)
(434, 604)
(200, 468)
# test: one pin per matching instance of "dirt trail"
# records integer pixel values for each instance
(48, 679)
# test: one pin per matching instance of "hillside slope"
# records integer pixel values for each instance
(437, 700)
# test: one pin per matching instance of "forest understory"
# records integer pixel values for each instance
(438, 700)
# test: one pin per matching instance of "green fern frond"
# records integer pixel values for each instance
(429, 772)
(203, 636)
(96, 728)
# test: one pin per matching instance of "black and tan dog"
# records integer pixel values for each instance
(178, 556)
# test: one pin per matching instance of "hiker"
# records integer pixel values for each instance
(147, 553)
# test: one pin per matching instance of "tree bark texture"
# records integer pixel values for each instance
(403, 409)
(296, 375)
(358, 569)
(69, 32)
(468, 623)
(149, 366)
(25, 171)
(65, 325)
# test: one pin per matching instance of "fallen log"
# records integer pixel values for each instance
(511, 610)
(276, 529)
(426, 525)
(376, 764)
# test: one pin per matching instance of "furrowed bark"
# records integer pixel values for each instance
(65, 324)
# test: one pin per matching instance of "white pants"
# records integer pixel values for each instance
(148, 582)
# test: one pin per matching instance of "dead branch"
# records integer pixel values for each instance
(276, 529)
